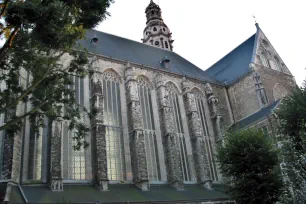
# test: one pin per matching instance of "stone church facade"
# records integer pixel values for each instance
(159, 120)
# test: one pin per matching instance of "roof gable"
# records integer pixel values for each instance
(132, 51)
(235, 64)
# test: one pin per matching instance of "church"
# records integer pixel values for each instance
(159, 119)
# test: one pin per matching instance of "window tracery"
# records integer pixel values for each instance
(74, 161)
(144, 91)
(112, 120)
(178, 123)
(208, 140)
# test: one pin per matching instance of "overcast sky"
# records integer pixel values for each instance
(206, 30)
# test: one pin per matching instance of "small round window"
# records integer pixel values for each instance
(155, 29)
(156, 43)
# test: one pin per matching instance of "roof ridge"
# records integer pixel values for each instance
(231, 51)
(131, 40)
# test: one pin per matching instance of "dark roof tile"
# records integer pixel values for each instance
(235, 64)
(128, 50)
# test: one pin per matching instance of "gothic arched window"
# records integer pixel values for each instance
(76, 163)
(144, 91)
(178, 123)
(113, 122)
(154, 29)
(208, 140)
(36, 164)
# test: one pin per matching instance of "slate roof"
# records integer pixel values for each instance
(120, 193)
(256, 116)
(235, 64)
(128, 50)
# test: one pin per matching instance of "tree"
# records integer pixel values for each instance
(38, 35)
(248, 161)
(292, 142)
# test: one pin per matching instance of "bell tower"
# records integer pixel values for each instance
(156, 33)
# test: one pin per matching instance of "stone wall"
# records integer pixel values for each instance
(243, 97)
(272, 78)
(224, 104)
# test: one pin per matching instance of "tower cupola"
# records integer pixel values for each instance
(156, 32)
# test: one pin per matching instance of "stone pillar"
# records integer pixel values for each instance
(56, 157)
(173, 162)
(12, 152)
(216, 119)
(11, 157)
(98, 133)
(197, 140)
(137, 140)
(215, 114)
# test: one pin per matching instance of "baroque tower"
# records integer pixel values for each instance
(156, 32)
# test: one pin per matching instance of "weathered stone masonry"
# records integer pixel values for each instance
(137, 140)
(98, 132)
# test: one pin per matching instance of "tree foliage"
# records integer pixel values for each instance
(248, 161)
(292, 140)
(39, 34)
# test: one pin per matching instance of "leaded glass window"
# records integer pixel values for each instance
(36, 146)
(76, 163)
(35, 154)
(208, 140)
(180, 137)
(113, 123)
(144, 90)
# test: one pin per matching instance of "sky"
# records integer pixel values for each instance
(204, 31)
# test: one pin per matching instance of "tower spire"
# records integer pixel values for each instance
(156, 32)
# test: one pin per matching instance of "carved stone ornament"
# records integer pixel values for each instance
(208, 89)
(56, 185)
(213, 103)
(186, 85)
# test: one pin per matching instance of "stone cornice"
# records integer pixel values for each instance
(142, 66)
